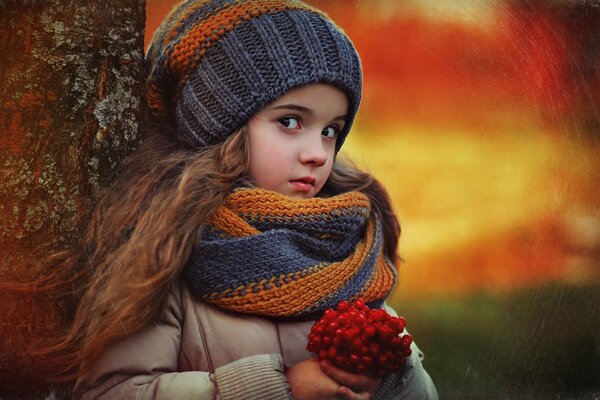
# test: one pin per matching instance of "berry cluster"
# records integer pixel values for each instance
(361, 340)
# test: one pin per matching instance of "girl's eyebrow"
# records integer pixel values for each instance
(303, 109)
(296, 107)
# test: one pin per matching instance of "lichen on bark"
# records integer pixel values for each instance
(70, 93)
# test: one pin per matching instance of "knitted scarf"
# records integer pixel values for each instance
(267, 254)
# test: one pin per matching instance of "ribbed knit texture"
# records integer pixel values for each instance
(272, 255)
(253, 378)
(213, 64)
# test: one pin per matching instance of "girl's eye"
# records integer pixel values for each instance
(290, 122)
(331, 132)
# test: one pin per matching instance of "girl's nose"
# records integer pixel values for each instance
(313, 151)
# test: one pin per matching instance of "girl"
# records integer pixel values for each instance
(233, 227)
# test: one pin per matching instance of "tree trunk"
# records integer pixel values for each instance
(70, 90)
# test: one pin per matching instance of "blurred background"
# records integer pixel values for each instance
(482, 118)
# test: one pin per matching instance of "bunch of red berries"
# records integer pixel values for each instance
(361, 340)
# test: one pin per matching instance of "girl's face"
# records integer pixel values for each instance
(292, 140)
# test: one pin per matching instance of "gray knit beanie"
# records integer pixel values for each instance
(213, 64)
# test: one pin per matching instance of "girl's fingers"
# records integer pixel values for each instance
(347, 394)
(353, 381)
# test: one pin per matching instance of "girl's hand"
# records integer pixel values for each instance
(308, 381)
(361, 384)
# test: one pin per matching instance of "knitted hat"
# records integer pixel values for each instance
(213, 64)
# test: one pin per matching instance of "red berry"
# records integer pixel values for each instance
(370, 330)
(374, 348)
(386, 332)
(399, 322)
(359, 303)
(377, 315)
(351, 333)
(329, 315)
(360, 320)
(343, 306)
(332, 352)
(317, 329)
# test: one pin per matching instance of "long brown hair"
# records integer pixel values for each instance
(142, 232)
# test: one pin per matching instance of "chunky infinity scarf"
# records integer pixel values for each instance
(268, 254)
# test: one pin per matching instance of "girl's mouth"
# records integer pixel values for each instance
(303, 184)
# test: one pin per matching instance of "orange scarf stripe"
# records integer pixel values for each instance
(271, 204)
(379, 284)
(227, 221)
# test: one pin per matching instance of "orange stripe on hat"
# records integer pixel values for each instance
(188, 52)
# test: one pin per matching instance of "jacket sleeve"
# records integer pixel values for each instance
(145, 367)
(413, 382)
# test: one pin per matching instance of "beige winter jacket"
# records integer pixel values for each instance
(200, 352)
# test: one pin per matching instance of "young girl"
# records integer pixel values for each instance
(234, 227)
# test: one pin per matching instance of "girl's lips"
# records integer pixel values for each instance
(303, 184)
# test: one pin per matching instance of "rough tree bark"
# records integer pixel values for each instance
(70, 74)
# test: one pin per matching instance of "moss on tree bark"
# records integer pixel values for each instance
(70, 93)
